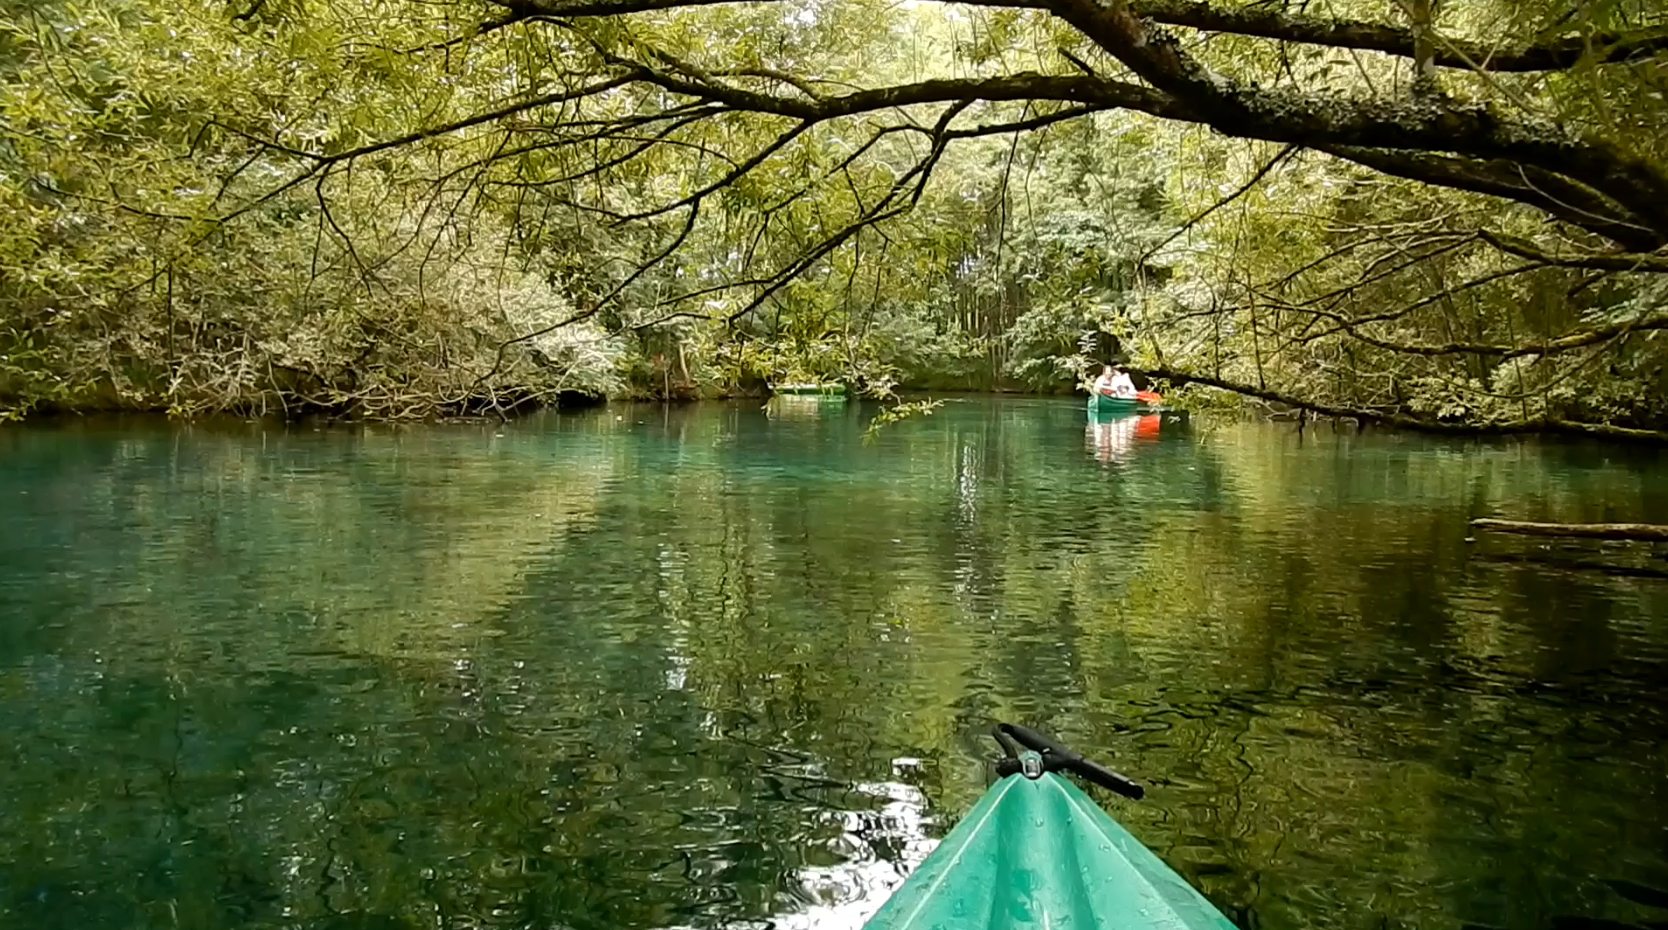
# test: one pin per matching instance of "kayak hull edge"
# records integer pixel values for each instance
(1039, 853)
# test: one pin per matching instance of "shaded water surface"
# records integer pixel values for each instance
(719, 666)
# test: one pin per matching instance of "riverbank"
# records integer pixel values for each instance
(1185, 390)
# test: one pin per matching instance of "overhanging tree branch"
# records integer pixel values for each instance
(1568, 200)
(1221, 202)
(1598, 261)
(1265, 21)
(1581, 181)
(1501, 351)
(1402, 420)
(1269, 21)
(1321, 119)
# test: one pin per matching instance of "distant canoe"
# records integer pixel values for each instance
(1102, 406)
(810, 390)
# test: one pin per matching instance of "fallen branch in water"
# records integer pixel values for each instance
(898, 412)
(1574, 565)
(1655, 532)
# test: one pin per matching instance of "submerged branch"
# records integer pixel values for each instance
(1654, 532)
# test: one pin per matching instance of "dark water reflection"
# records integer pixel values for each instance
(710, 667)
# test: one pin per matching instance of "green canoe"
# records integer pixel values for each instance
(811, 389)
(1036, 852)
(1102, 406)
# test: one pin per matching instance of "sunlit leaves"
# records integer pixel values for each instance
(241, 201)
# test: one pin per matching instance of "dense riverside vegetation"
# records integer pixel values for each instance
(1435, 214)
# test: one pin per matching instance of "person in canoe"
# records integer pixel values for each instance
(1114, 383)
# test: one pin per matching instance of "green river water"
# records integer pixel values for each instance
(718, 666)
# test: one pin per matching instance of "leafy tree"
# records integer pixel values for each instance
(1440, 217)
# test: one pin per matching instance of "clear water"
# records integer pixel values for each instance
(719, 666)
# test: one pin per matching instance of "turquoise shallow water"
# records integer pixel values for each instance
(723, 666)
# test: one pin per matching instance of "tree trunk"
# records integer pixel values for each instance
(1422, 14)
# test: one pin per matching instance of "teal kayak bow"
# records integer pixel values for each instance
(1036, 852)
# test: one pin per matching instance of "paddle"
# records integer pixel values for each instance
(1057, 758)
(1151, 398)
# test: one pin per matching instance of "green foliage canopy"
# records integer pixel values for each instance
(1444, 215)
